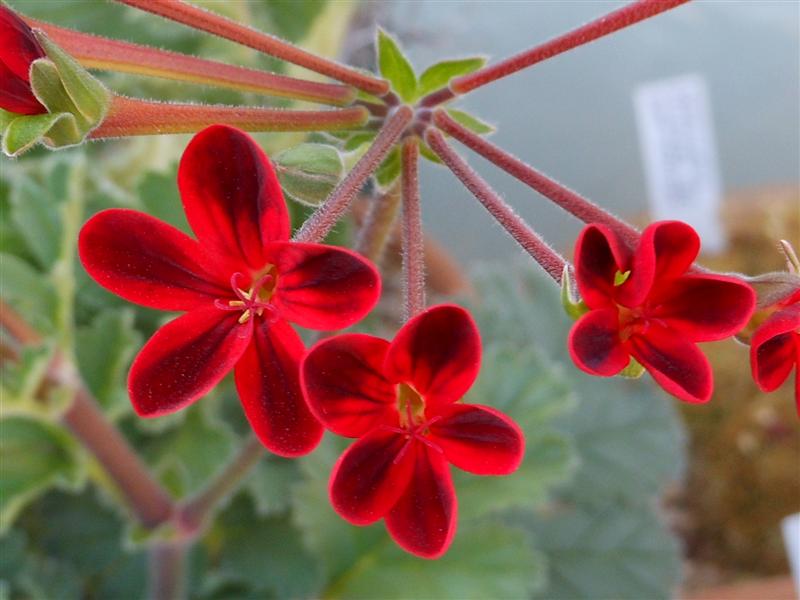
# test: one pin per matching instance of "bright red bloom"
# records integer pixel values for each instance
(775, 349)
(648, 305)
(240, 283)
(400, 399)
(18, 49)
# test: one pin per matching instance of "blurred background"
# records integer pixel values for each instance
(625, 493)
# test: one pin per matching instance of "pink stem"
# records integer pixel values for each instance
(413, 242)
(97, 52)
(204, 20)
(377, 226)
(131, 117)
(584, 209)
(550, 260)
(319, 224)
(613, 21)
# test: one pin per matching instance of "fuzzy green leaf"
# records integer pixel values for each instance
(471, 122)
(33, 212)
(395, 67)
(439, 75)
(390, 169)
(28, 292)
(309, 172)
(25, 131)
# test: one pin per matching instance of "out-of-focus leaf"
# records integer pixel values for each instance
(28, 292)
(104, 350)
(270, 484)
(266, 553)
(309, 172)
(395, 67)
(292, 19)
(390, 168)
(439, 75)
(471, 122)
(35, 455)
(158, 193)
(22, 381)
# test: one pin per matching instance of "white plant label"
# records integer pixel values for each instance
(680, 156)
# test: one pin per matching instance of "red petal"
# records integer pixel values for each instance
(366, 482)
(775, 348)
(185, 359)
(438, 352)
(343, 382)
(18, 46)
(267, 379)
(666, 250)
(704, 307)
(594, 343)
(149, 262)
(479, 439)
(16, 95)
(323, 287)
(599, 254)
(231, 196)
(674, 362)
(423, 521)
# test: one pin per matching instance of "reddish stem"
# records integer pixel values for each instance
(97, 52)
(609, 23)
(552, 262)
(319, 224)
(204, 20)
(413, 241)
(131, 116)
(584, 209)
(378, 224)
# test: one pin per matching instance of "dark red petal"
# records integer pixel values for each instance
(438, 352)
(674, 362)
(149, 262)
(323, 287)
(366, 481)
(16, 95)
(423, 521)
(479, 439)
(594, 343)
(599, 254)
(231, 195)
(704, 307)
(666, 250)
(775, 348)
(18, 46)
(268, 382)
(185, 359)
(344, 385)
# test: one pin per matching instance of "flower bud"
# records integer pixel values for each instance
(18, 49)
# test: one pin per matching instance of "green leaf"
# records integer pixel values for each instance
(471, 122)
(439, 75)
(309, 172)
(35, 455)
(104, 350)
(390, 168)
(395, 67)
(28, 292)
(426, 152)
(22, 381)
(292, 19)
(34, 213)
(356, 141)
(270, 484)
(158, 193)
(485, 561)
(25, 131)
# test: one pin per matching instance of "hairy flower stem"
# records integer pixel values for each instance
(609, 23)
(413, 241)
(150, 503)
(132, 117)
(196, 510)
(167, 571)
(552, 262)
(582, 208)
(218, 25)
(96, 52)
(319, 224)
(378, 224)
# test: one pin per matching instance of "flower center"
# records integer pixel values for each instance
(631, 321)
(413, 424)
(256, 300)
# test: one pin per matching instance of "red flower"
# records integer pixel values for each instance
(775, 349)
(18, 49)
(648, 305)
(400, 399)
(241, 283)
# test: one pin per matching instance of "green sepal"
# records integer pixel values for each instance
(429, 154)
(395, 67)
(439, 75)
(309, 172)
(573, 305)
(76, 103)
(471, 122)
(390, 169)
(634, 370)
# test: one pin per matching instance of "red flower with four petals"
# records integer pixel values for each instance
(241, 284)
(401, 400)
(647, 304)
(18, 49)
(775, 349)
